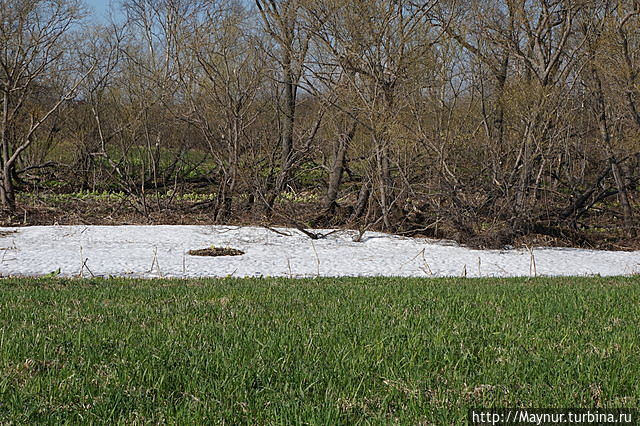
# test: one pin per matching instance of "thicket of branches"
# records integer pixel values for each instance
(481, 120)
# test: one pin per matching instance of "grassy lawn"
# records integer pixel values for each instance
(327, 351)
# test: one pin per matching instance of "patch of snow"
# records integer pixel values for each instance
(161, 251)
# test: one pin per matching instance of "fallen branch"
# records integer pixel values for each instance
(276, 231)
(299, 227)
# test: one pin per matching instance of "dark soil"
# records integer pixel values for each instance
(216, 251)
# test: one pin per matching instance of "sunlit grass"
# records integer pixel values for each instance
(326, 351)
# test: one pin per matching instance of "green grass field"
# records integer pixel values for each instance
(326, 351)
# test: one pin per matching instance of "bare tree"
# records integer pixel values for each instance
(282, 22)
(34, 59)
(486, 121)
(221, 75)
(379, 46)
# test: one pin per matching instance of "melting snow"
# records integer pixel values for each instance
(154, 251)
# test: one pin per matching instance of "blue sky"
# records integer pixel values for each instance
(99, 7)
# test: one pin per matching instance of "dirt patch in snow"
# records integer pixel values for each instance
(216, 251)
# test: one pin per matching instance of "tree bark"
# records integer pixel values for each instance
(361, 203)
(337, 169)
(7, 192)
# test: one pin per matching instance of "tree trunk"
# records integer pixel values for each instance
(337, 169)
(630, 76)
(498, 122)
(361, 203)
(7, 192)
(605, 135)
(627, 211)
(384, 180)
(286, 135)
(231, 182)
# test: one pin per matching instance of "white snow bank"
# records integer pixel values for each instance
(153, 251)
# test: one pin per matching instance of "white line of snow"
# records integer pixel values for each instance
(153, 251)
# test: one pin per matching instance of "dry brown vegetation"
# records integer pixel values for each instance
(216, 251)
(492, 122)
